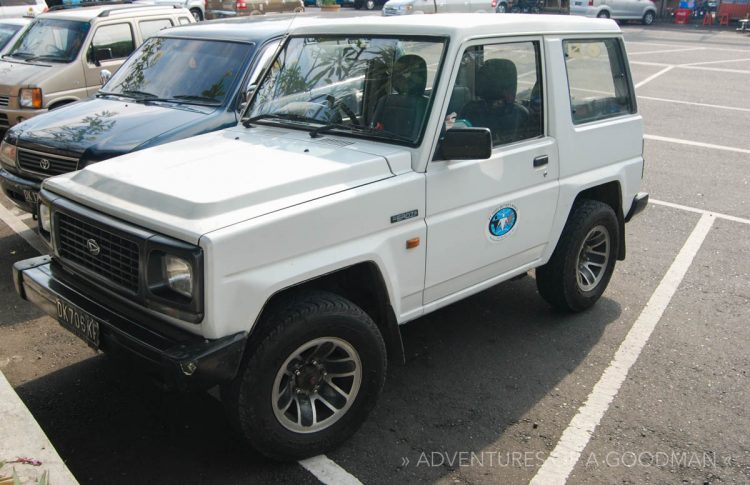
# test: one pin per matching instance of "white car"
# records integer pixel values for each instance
(10, 30)
(19, 8)
(643, 10)
(385, 168)
(407, 7)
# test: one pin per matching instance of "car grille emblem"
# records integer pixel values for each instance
(44, 163)
(93, 246)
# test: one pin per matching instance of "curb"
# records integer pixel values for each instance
(21, 436)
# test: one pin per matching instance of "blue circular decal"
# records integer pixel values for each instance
(502, 221)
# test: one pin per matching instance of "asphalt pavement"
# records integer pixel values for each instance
(497, 388)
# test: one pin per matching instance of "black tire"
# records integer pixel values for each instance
(289, 326)
(603, 15)
(358, 4)
(648, 18)
(370, 4)
(197, 14)
(557, 281)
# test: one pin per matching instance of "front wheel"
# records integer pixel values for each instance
(648, 18)
(603, 15)
(583, 261)
(370, 4)
(308, 385)
(501, 8)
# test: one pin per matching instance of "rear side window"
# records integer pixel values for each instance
(152, 27)
(184, 20)
(597, 79)
(113, 41)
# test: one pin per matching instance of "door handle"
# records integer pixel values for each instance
(541, 161)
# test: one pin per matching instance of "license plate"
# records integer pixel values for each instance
(31, 196)
(78, 321)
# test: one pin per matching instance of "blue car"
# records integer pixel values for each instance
(183, 82)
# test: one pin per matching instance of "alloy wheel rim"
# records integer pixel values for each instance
(593, 258)
(316, 385)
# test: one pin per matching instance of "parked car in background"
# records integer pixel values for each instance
(408, 7)
(196, 7)
(220, 9)
(643, 10)
(59, 58)
(19, 8)
(10, 30)
(180, 83)
(368, 4)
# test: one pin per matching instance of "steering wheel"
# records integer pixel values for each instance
(341, 106)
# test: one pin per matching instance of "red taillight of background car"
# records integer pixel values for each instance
(241, 4)
(591, 3)
(494, 3)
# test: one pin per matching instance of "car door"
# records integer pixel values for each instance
(110, 45)
(489, 218)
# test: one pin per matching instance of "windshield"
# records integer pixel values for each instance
(186, 70)
(7, 31)
(51, 40)
(378, 87)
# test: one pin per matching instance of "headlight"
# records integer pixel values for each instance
(30, 98)
(45, 218)
(179, 275)
(8, 154)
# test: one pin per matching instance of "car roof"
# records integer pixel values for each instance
(108, 11)
(15, 21)
(245, 29)
(461, 25)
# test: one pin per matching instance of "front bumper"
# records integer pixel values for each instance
(11, 117)
(178, 359)
(15, 188)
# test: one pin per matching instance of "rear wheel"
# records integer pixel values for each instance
(370, 4)
(603, 14)
(501, 8)
(308, 384)
(583, 261)
(648, 18)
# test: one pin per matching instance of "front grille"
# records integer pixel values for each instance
(117, 259)
(45, 163)
(4, 121)
(4, 100)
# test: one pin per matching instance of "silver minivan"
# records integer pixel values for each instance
(643, 10)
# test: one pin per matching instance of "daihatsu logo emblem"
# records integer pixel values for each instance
(44, 163)
(93, 246)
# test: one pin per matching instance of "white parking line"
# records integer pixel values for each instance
(18, 226)
(692, 103)
(654, 76)
(328, 472)
(668, 51)
(699, 211)
(560, 463)
(715, 62)
(715, 69)
(696, 144)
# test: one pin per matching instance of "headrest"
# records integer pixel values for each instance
(497, 79)
(410, 75)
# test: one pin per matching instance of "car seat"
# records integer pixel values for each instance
(402, 113)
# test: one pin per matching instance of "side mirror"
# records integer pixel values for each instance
(466, 144)
(104, 76)
(102, 55)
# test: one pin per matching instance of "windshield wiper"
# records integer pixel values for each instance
(359, 128)
(247, 123)
(134, 93)
(206, 100)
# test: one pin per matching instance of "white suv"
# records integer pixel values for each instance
(386, 168)
(21, 8)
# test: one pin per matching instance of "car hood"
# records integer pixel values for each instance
(101, 128)
(15, 75)
(191, 187)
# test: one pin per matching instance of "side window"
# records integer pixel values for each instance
(152, 27)
(184, 20)
(112, 42)
(597, 80)
(499, 86)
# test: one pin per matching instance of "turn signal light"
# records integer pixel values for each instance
(412, 243)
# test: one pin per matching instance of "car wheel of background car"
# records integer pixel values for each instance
(370, 4)
(197, 14)
(648, 18)
(583, 261)
(299, 9)
(256, 12)
(603, 15)
(501, 8)
(310, 378)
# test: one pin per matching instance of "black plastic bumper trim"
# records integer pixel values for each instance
(13, 187)
(179, 359)
(640, 201)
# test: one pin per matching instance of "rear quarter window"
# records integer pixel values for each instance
(597, 80)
